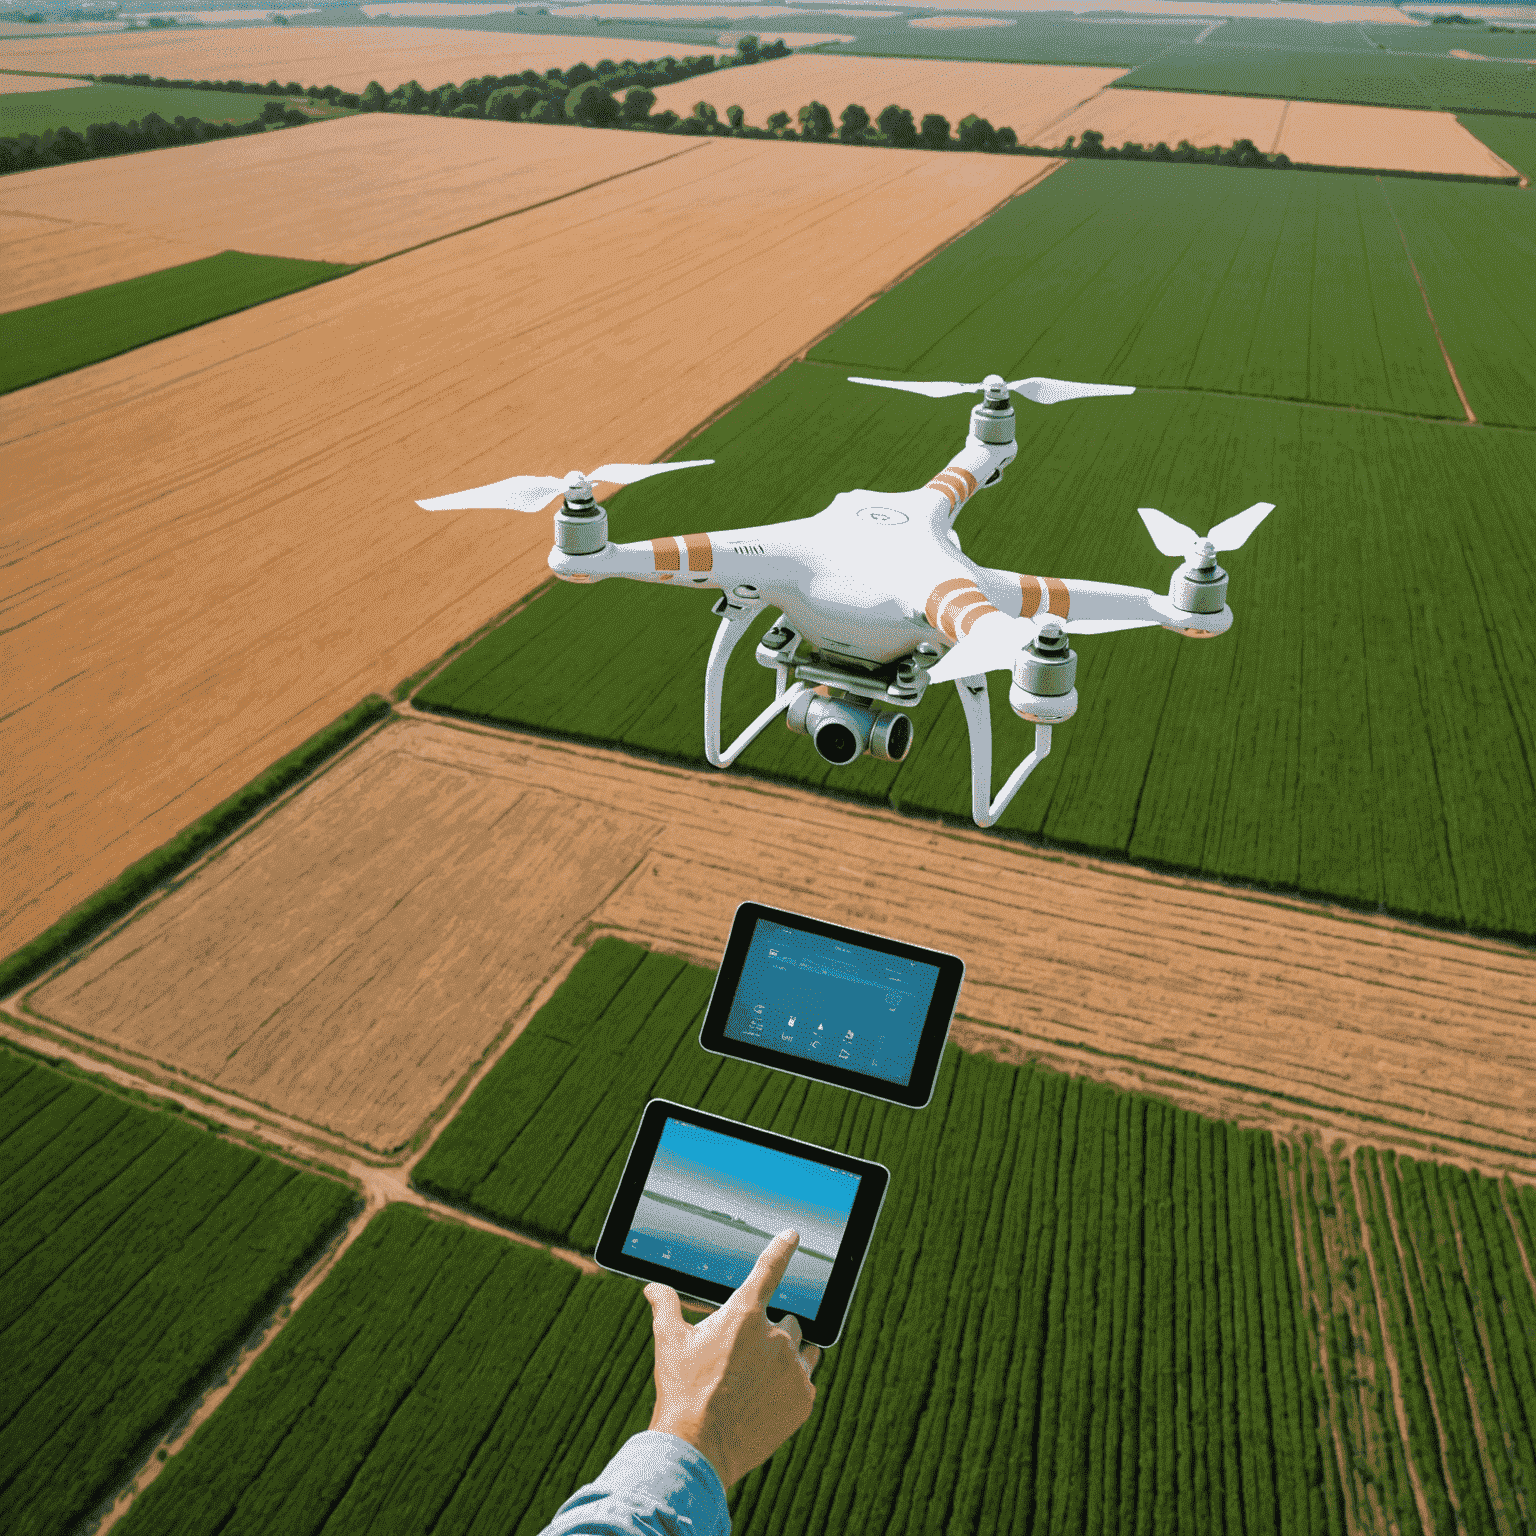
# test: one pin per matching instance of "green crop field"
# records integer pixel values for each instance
(1384, 79)
(1079, 1313)
(1363, 734)
(1137, 1257)
(79, 106)
(136, 1253)
(1513, 139)
(64, 334)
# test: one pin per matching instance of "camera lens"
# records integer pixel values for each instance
(837, 743)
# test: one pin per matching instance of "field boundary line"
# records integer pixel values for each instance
(1310, 405)
(1450, 367)
(803, 354)
(559, 197)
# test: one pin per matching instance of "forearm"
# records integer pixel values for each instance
(658, 1484)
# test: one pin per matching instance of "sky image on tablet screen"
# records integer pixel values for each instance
(712, 1203)
(825, 1000)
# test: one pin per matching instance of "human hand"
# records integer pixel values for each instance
(735, 1385)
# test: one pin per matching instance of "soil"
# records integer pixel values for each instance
(213, 547)
(353, 957)
(371, 185)
(1310, 132)
(1269, 1012)
(1026, 97)
(347, 57)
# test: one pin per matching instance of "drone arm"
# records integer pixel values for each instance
(736, 616)
(1040, 597)
(973, 467)
(978, 719)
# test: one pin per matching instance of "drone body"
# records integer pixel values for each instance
(877, 599)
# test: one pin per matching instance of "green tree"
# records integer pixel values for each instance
(1007, 139)
(592, 104)
(815, 122)
(736, 118)
(411, 97)
(934, 131)
(748, 49)
(976, 133)
(897, 125)
(707, 115)
(468, 109)
(665, 120)
(1091, 144)
(854, 121)
(579, 74)
(778, 124)
(512, 102)
(272, 112)
(549, 110)
(637, 104)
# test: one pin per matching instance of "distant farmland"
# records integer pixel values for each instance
(1385, 79)
(1332, 744)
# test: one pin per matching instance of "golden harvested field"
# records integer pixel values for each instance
(1030, 98)
(1287, 10)
(211, 547)
(348, 57)
(1310, 132)
(1300, 1019)
(353, 957)
(372, 185)
(954, 23)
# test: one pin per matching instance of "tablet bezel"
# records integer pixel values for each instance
(917, 1092)
(874, 1178)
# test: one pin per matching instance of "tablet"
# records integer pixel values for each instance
(701, 1197)
(843, 1007)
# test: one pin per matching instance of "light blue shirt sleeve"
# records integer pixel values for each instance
(657, 1485)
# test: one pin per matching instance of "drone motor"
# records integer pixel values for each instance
(1044, 675)
(843, 731)
(581, 525)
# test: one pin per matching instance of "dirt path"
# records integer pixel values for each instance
(1305, 1020)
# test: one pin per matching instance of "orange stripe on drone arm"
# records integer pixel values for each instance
(1060, 599)
(1031, 592)
(666, 553)
(701, 553)
(943, 590)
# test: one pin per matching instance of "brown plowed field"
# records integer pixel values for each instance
(212, 548)
(1310, 132)
(1264, 1011)
(348, 57)
(353, 957)
(372, 185)
(12, 85)
(1029, 98)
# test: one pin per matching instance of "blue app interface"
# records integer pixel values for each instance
(826, 1000)
(711, 1204)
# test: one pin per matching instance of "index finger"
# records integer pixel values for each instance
(766, 1274)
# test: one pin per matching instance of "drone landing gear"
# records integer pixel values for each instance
(978, 719)
(736, 611)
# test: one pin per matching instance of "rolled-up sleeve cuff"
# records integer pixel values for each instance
(657, 1485)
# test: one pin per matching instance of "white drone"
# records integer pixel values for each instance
(877, 600)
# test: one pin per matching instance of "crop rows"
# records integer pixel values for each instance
(1421, 1300)
(1362, 734)
(1080, 1313)
(135, 1254)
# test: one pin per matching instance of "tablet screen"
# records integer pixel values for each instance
(712, 1203)
(824, 1001)
(802, 994)
(701, 1197)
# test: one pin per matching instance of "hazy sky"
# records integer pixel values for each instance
(769, 1190)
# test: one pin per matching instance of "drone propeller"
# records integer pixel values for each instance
(996, 639)
(528, 493)
(1041, 391)
(1175, 539)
